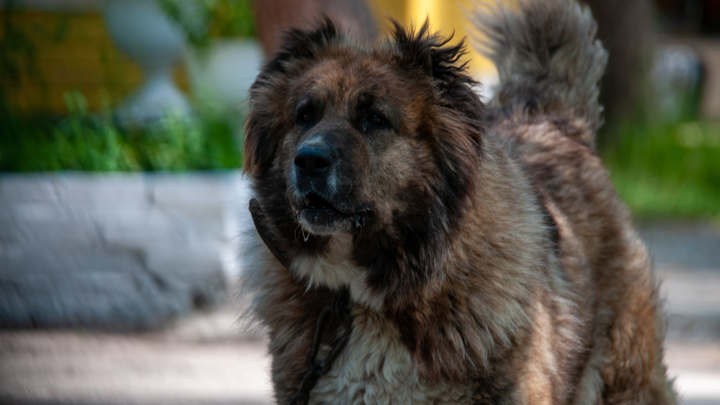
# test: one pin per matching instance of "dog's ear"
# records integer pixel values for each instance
(260, 144)
(416, 48)
(303, 44)
(431, 55)
(428, 52)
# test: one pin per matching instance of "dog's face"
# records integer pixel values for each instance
(379, 142)
(347, 153)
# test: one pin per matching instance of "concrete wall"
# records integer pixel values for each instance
(115, 251)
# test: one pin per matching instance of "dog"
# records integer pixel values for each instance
(413, 245)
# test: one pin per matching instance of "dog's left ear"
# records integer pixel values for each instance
(425, 51)
(431, 55)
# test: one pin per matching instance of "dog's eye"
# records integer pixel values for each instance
(306, 113)
(375, 121)
(305, 118)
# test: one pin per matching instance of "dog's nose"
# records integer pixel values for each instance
(312, 160)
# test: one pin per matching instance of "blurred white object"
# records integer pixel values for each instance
(677, 81)
(222, 74)
(150, 39)
(487, 85)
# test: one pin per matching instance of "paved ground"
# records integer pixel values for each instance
(201, 360)
(208, 358)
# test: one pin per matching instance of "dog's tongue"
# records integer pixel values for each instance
(262, 225)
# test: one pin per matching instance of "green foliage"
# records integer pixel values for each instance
(665, 170)
(201, 20)
(659, 170)
(90, 142)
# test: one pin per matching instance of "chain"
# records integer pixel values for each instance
(339, 308)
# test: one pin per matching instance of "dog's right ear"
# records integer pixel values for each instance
(262, 129)
(303, 44)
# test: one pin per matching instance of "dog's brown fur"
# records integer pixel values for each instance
(488, 258)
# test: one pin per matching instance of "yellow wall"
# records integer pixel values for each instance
(446, 16)
(72, 52)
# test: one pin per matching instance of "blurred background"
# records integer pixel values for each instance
(122, 205)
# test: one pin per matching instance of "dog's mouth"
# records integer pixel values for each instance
(321, 216)
(315, 203)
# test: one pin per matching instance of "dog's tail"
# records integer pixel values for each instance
(547, 56)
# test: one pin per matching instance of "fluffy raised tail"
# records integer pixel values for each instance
(547, 55)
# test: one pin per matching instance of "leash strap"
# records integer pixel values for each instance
(339, 309)
(263, 227)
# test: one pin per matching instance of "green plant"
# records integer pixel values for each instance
(201, 20)
(663, 170)
(91, 142)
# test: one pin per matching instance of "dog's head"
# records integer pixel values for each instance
(376, 141)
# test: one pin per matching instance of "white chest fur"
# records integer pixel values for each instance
(335, 269)
(376, 368)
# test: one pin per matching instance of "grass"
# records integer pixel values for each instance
(94, 142)
(668, 170)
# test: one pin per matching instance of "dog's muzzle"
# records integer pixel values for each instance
(316, 167)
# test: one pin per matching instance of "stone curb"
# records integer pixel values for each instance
(115, 251)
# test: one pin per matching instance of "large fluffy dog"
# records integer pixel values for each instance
(487, 257)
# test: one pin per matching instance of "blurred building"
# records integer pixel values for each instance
(690, 15)
(694, 25)
(62, 45)
(52, 47)
(55, 46)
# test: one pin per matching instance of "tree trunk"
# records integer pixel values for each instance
(624, 29)
(275, 16)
